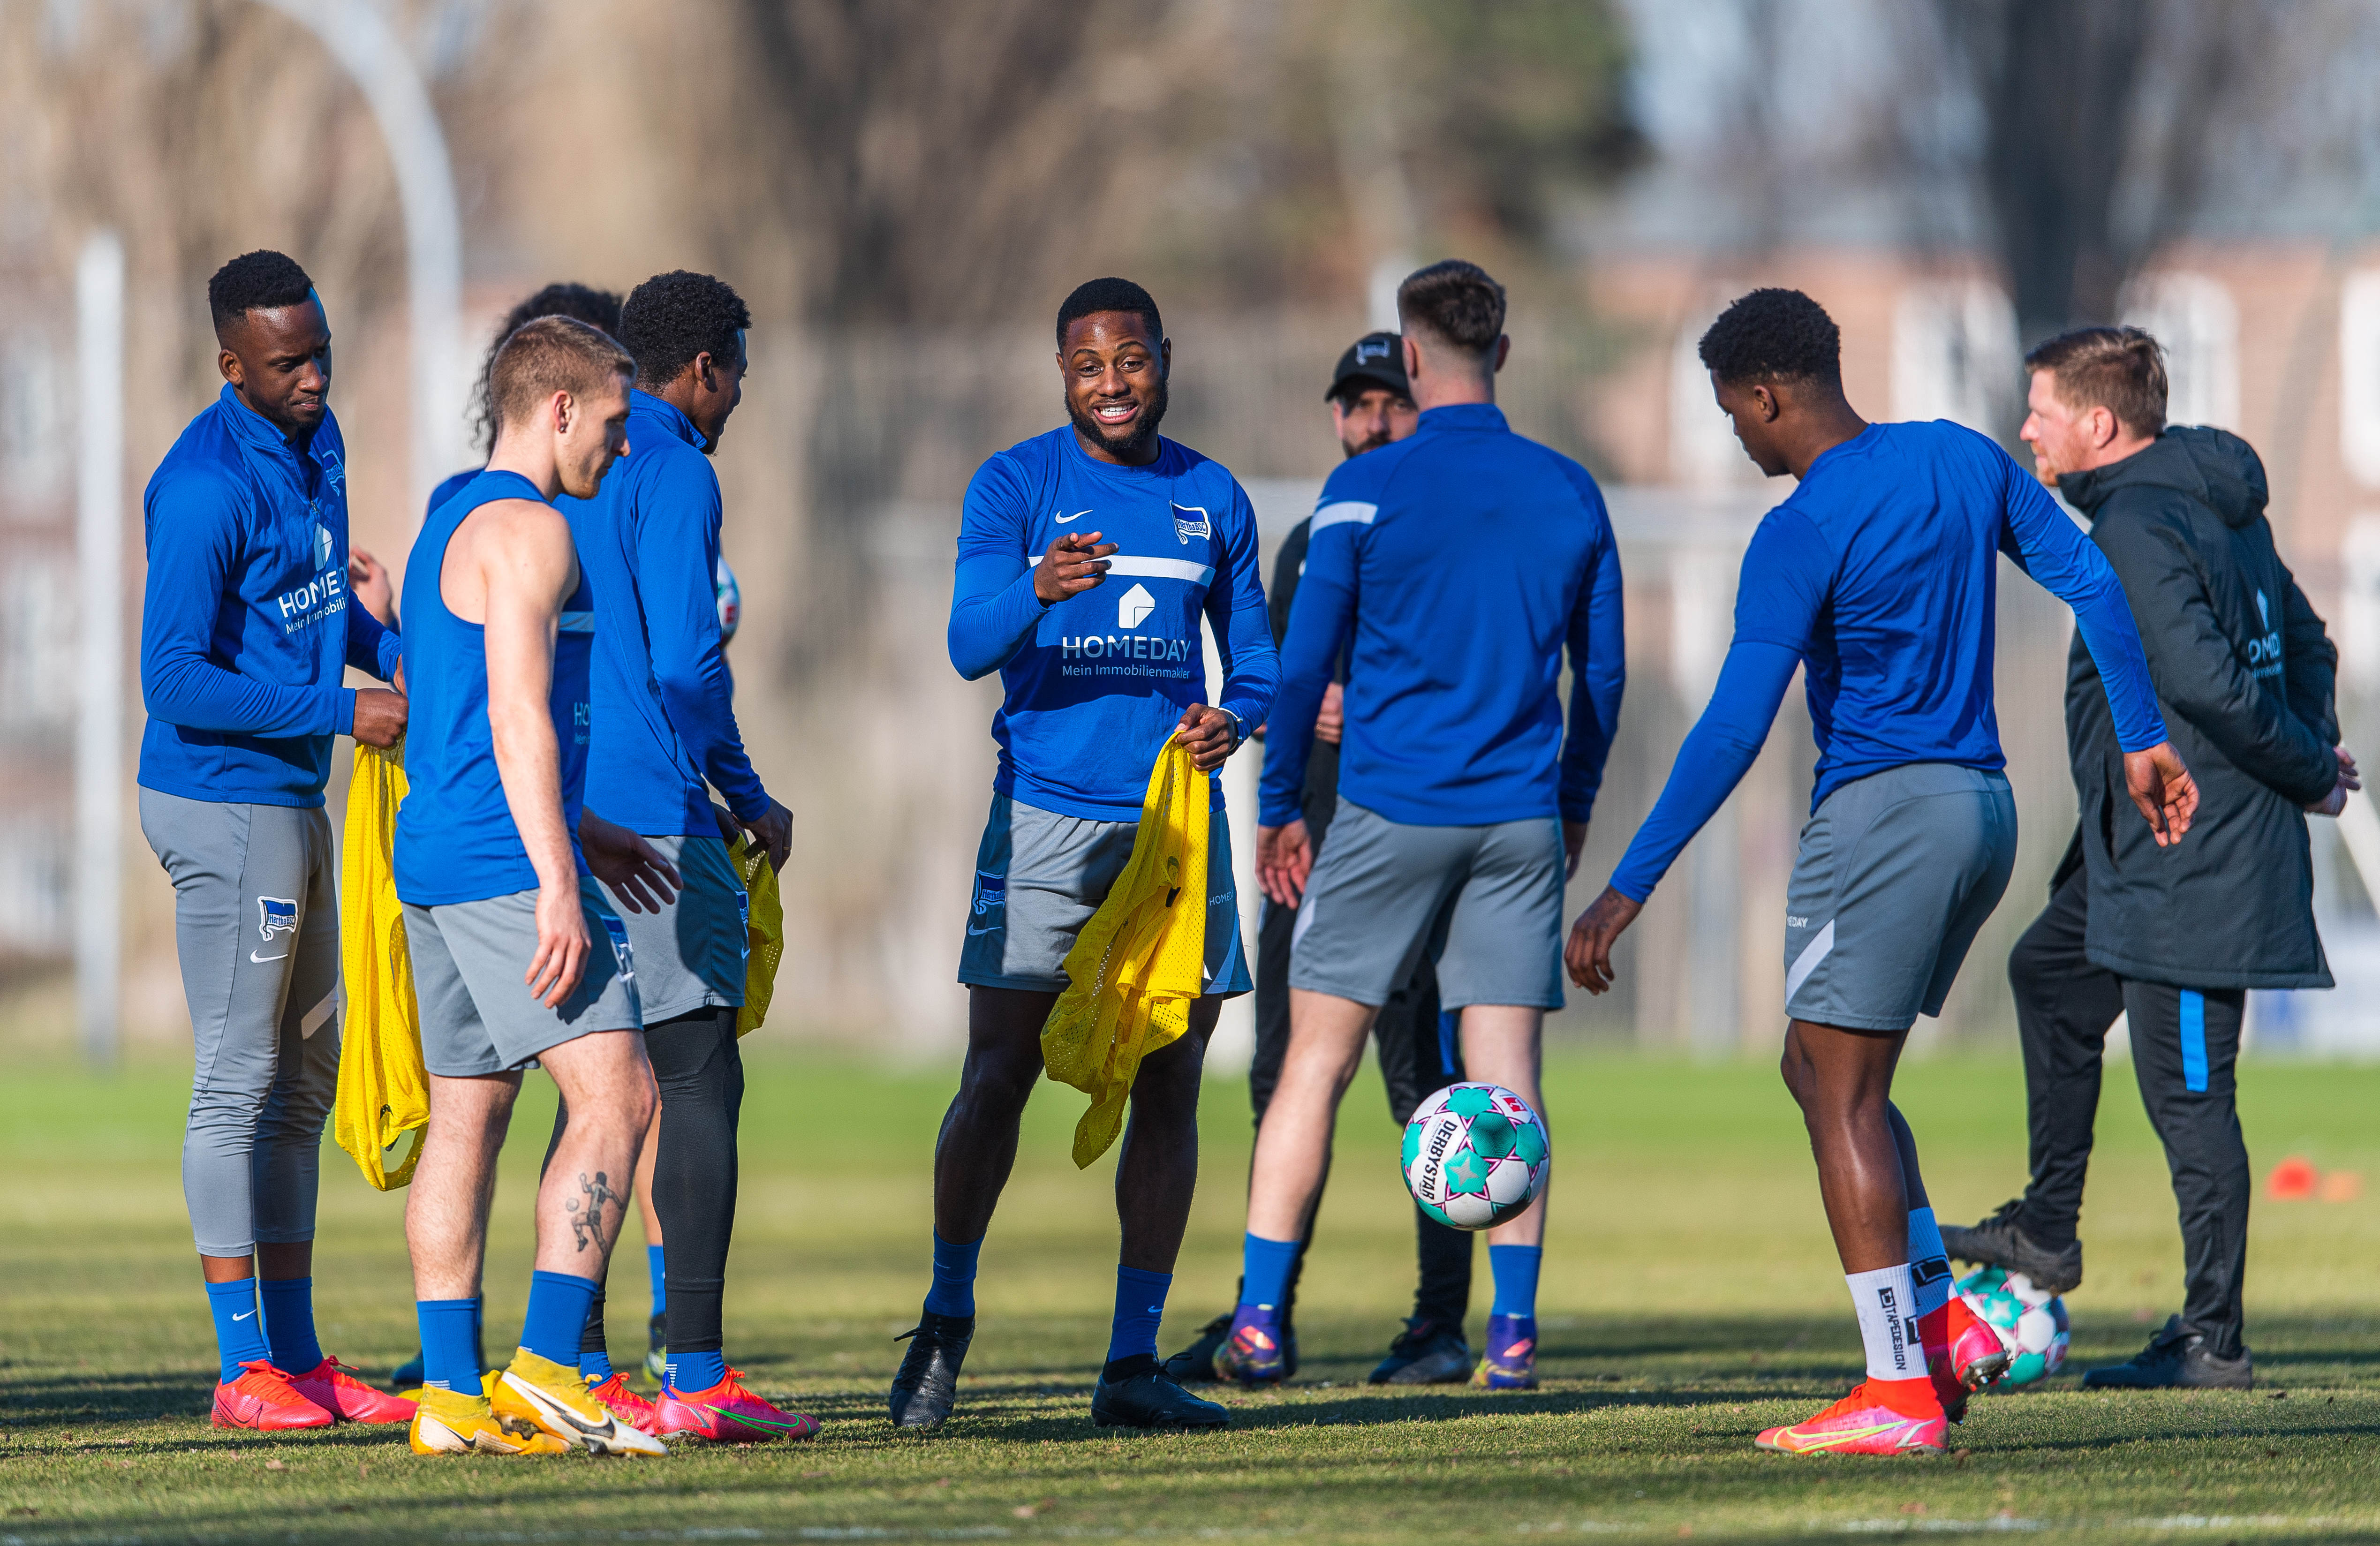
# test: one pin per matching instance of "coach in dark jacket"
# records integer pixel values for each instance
(2170, 937)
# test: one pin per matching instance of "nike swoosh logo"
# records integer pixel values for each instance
(262, 960)
(1070, 520)
(973, 931)
(244, 1316)
(607, 1429)
(750, 1421)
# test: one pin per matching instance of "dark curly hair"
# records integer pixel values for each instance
(1774, 335)
(597, 308)
(258, 280)
(1455, 302)
(673, 316)
(1095, 295)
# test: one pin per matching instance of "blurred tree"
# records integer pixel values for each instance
(2101, 118)
(929, 155)
(937, 163)
(1510, 106)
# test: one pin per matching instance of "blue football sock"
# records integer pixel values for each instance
(1516, 1279)
(1929, 1267)
(1139, 1306)
(239, 1330)
(954, 1290)
(595, 1366)
(660, 1282)
(1264, 1272)
(697, 1370)
(478, 1332)
(450, 1355)
(556, 1322)
(289, 1322)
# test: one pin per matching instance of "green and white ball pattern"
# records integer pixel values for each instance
(1474, 1155)
(2031, 1323)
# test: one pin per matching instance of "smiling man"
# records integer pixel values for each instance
(247, 629)
(1086, 558)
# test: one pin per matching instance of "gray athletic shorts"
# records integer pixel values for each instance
(1897, 871)
(256, 923)
(1038, 878)
(1484, 902)
(690, 955)
(469, 961)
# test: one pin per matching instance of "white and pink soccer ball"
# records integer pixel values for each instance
(1474, 1155)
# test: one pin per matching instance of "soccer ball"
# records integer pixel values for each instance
(1474, 1155)
(2031, 1323)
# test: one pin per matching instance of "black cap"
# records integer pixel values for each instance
(1375, 357)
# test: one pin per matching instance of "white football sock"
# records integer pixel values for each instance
(1888, 1321)
(1929, 1266)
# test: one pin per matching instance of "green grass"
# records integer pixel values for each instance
(1691, 1297)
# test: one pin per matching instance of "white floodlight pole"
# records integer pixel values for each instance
(363, 42)
(98, 721)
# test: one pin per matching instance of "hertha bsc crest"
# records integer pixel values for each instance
(1189, 521)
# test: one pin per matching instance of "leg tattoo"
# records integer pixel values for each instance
(588, 1223)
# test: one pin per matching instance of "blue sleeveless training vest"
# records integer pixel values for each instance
(455, 841)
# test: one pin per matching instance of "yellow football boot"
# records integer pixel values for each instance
(553, 1397)
(448, 1422)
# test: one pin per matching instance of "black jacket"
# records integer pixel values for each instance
(2246, 678)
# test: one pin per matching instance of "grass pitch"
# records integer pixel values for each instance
(1691, 1299)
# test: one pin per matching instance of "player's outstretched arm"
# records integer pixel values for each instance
(1717, 753)
(525, 560)
(2046, 546)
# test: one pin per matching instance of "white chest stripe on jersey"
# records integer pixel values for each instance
(1164, 569)
(1345, 510)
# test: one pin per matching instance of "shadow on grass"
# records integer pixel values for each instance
(1592, 1364)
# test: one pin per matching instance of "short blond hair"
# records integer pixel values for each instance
(2121, 369)
(551, 354)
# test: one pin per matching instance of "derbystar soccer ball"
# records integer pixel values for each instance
(2031, 1323)
(1474, 1155)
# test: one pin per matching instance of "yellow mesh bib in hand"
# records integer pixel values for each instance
(1141, 959)
(764, 932)
(383, 1089)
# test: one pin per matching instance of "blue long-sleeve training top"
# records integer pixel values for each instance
(246, 626)
(1096, 682)
(663, 708)
(1878, 577)
(1462, 559)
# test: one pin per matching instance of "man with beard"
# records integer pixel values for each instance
(1095, 687)
(2246, 677)
(1371, 406)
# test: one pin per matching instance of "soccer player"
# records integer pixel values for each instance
(2246, 678)
(599, 308)
(1876, 579)
(1087, 557)
(1371, 405)
(246, 632)
(1459, 561)
(506, 924)
(666, 735)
